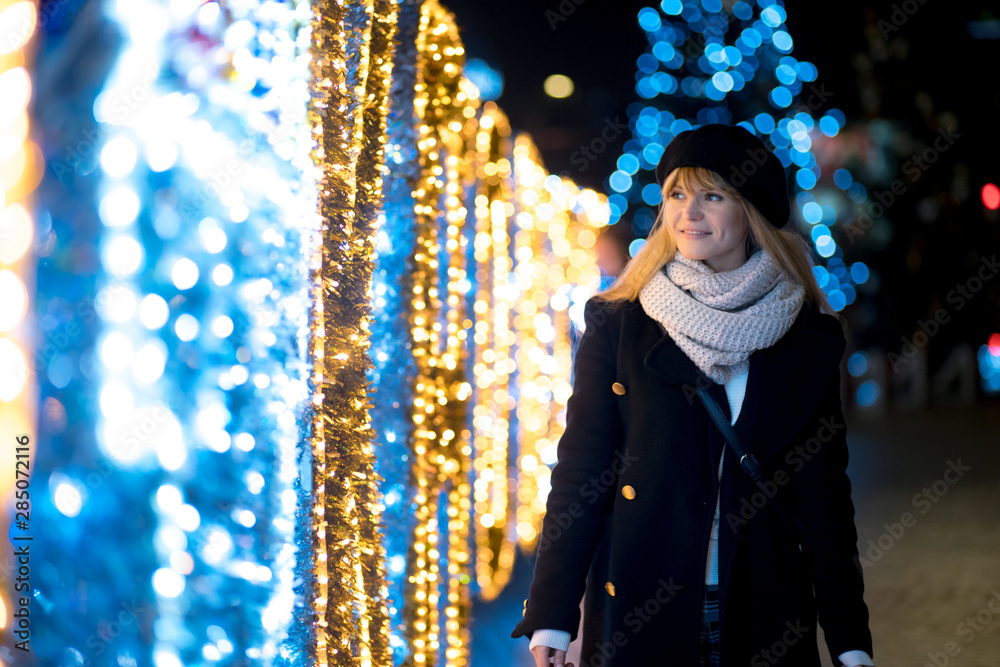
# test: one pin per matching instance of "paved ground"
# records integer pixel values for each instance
(929, 580)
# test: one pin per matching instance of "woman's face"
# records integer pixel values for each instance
(720, 219)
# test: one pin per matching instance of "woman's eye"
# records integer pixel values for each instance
(711, 196)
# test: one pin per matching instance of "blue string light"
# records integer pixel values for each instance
(199, 317)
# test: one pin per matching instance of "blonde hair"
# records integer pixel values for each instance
(789, 250)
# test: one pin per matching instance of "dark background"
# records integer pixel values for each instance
(597, 45)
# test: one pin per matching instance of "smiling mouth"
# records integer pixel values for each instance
(690, 233)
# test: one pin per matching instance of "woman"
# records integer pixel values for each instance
(684, 559)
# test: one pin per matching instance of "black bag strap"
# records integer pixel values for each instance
(748, 461)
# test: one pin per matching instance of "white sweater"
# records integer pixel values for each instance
(735, 391)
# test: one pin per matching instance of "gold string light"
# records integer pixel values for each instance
(21, 168)
(495, 299)
(440, 448)
(554, 248)
(521, 328)
(459, 510)
(351, 70)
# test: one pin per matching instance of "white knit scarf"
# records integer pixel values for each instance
(718, 319)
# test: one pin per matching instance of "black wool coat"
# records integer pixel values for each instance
(633, 494)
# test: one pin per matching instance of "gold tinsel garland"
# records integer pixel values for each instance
(351, 69)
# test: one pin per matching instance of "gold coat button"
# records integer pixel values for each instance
(610, 588)
(618, 388)
(628, 492)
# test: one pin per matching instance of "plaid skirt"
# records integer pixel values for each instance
(709, 639)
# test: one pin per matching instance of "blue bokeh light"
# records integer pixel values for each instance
(860, 273)
(764, 123)
(664, 51)
(723, 81)
(857, 364)
(651, 194)
(773, 16)
(857, 192)
(742, 11)
(664, 83)
(822, 276)
(867, 394)
(785, 74)
(620, 181)
(672, 7)
(617, 203)
(819, 230)
(647, 63)
(812, 213)
(752, 38)
(649, 19)
(488, 80)
(628, 163)
(780, 97)
(837, 299)
(782, 41)
(652, 153)
(842, 179)
(828, 126)
(645, 88)
(826, 246)
(989, 369)
(807, 71)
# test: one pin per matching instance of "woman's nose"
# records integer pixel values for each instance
(693, 210)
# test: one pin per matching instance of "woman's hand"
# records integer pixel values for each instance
(543, 654)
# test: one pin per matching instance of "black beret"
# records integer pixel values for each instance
(739, 157)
